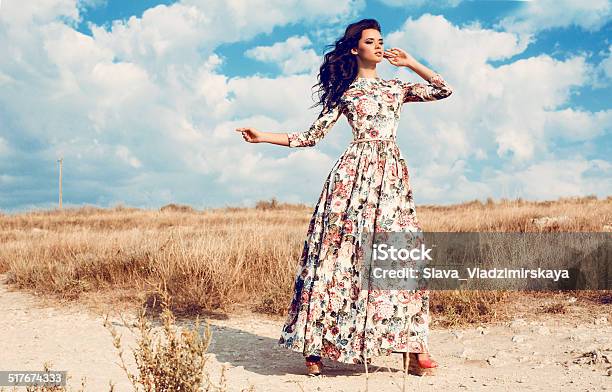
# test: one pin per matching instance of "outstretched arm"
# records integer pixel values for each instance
(319, 128)
(317, 131)
(251, 135)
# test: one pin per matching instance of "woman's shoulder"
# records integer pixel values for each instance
(359, 86)
(359, 82)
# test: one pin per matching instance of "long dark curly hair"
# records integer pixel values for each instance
(339, 67)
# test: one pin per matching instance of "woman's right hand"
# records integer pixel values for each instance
(250, 134)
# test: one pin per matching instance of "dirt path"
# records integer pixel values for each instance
(527, 354)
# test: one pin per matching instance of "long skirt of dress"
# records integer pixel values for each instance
(331, 315)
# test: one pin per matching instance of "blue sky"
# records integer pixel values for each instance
(140, 98)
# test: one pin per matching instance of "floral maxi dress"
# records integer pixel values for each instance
(368, 189)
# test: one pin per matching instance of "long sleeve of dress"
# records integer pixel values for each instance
(437, 88)
(317, 130)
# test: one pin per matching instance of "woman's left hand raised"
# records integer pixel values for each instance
(398, 57)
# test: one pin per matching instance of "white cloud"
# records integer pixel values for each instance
(125, 155)
(421, 3)
(163, 35)
(293, 55)
(5, 79)
(191, 28)
(443, 183)
(17, 13)
(577, 125)
(277, 97)
(604, 68)
(544, 180)
(4, 149)
(541, 15)
(533, 90)
(436, 40)
(557, 178)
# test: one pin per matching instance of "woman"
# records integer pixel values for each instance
(367, 190)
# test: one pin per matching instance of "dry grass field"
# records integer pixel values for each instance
(218, 259)
(236, 262)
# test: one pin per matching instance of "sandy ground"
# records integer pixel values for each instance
(531, 352)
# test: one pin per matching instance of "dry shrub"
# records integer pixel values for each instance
(275, 302)
(267, 205)
(174, 359)
(273, 204)
(120, 207)
(458, 307)
(176, 208)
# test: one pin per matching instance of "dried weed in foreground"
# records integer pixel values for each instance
(594, 357)
(174, 361)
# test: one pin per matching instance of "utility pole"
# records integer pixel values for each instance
(60, 181)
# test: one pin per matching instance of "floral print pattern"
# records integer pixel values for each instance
(367, 190)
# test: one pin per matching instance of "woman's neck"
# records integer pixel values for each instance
(367, 75)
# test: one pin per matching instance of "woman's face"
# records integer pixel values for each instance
(370, 47)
